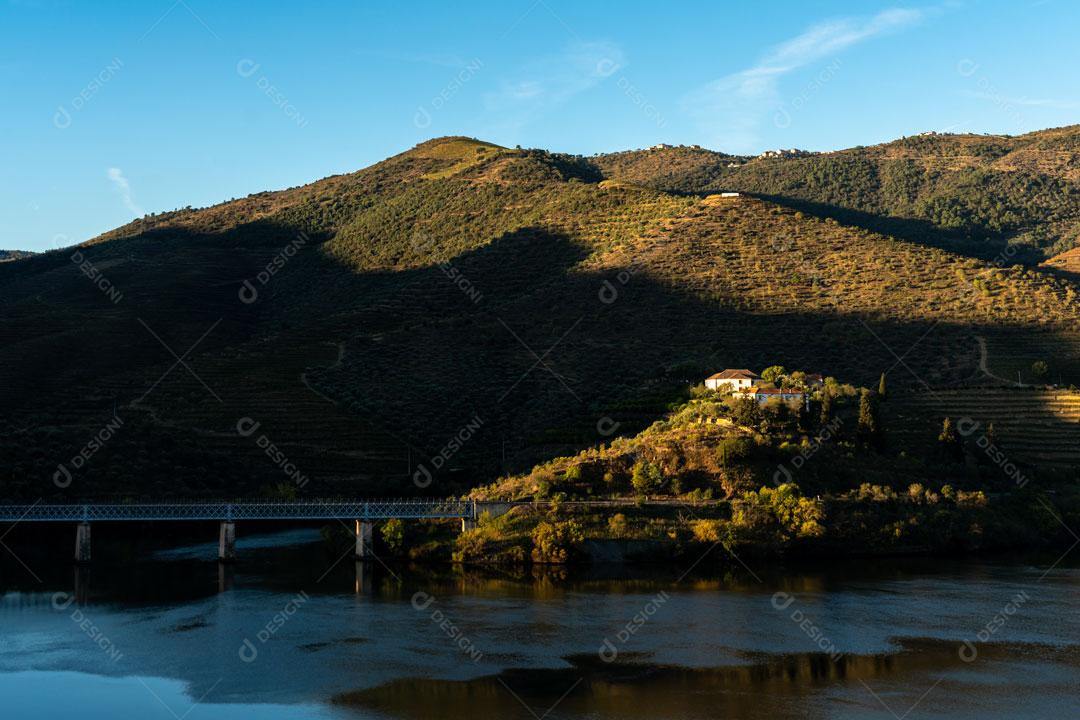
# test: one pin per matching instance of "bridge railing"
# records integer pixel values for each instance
(374, 509)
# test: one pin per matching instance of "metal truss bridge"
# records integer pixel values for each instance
(362, 510)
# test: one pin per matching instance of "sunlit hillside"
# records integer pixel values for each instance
(366, 319)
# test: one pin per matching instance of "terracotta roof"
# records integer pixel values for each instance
(737, 374)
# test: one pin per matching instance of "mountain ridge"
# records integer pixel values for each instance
(364, 319)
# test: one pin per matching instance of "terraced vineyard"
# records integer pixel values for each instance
(1037, 426)
(1010, 357)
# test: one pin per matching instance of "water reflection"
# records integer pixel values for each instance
(926, 673)
(304, 626)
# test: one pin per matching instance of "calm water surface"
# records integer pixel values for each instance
(294, 631)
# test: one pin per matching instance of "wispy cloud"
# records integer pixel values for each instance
(731, 109)
(551, 81)
(116, 175)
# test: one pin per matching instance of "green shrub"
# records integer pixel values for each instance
(393, 535)
(646, 478)
(706, 531)
(784, 509)
(553, 542)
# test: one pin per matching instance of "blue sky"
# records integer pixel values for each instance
(113, 109)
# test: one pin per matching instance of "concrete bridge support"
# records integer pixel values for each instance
(225, 577)
(468, 524)
(364, 582)
(81, 584)
(364, 546)
(227, 542)
(82, 542)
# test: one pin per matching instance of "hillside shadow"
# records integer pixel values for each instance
(553, 348)
(914, 230)
(480, 359)
(73, 315)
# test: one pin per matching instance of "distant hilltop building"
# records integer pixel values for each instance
(740, 379)
(747, 384)
(785, 153)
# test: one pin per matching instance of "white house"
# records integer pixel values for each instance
(763, 395)
(737, 379)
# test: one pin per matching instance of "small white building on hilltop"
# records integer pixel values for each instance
(734, 380)
(763, 395)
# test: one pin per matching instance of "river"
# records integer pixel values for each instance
(293, 630)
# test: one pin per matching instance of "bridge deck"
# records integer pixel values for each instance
(231, 511)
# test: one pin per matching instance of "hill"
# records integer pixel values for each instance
(1067, 262)
(772, 479)
(463, 310)
(1003, 198)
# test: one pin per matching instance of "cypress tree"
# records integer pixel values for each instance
(949, 440)
(826, 408)
(868, 425)
(804, 416)
(948, 432)
(881, 387)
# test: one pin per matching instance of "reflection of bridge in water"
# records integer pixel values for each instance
(362, 512)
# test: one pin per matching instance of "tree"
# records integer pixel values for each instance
(948, 439)
(826, 408)
(881, 387)
(747, 412)
(734, 448)
(791, 381)
(867, 430)
(706, 531)
(554, 542)
(1039, 369)
(805, 421)
(393, 535)
(645, 478)
(948, 432)
(574, 474)
(773, 373)
(782, 512)
(777, 415)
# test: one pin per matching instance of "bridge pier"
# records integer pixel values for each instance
(81, 584)
(364, 547)
(225, 577)
(364, 582)
(227, 542)
(82, 542)
(468, 524)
